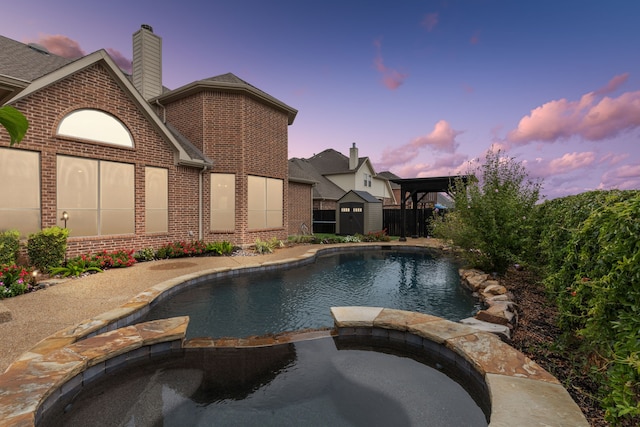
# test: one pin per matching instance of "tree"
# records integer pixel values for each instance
(493, 213)
(14, 122)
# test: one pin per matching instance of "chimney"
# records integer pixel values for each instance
(147, 62)
(353, 157)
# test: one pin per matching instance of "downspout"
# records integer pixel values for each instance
(200, 203)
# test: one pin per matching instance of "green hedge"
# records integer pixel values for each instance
(590, 244)
(9, 247)
(47, 248)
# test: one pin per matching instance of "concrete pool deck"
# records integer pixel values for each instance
(48, 323)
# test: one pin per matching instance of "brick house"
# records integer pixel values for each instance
(135, 164)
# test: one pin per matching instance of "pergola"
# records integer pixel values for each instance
(415, 187)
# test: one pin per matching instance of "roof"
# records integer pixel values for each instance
(301, 169)
(20, 64)
(330, 162)
(364, 195)
(27, 62)
(390, 176)
(228, 82)
(429, 185)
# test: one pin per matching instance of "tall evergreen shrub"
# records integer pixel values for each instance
(47, 248)
(9, 247)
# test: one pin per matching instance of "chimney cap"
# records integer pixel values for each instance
(147, 27)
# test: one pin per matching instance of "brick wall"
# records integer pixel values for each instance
(300, 200)
(95, 88)
(244, 137)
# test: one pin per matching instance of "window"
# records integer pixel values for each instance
(156, 197)
(345, 210)
(357, 210)
(223, 202)
(265, 202)
(97, 195)
(367, 180)
(20, 191)
(95, 125)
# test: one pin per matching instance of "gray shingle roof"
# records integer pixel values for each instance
(331, 162)
(389, 176)
(324, 188)
(23, 62)
(366, 196)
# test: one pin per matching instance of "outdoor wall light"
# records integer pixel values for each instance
(65, 218)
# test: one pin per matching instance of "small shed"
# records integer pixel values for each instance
(358, 212)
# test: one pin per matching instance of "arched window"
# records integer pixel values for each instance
(95, 125)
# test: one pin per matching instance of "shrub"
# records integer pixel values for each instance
(556, 221)
(47, 247)
(9, 247)
(14, 281)
(145, 254)
(374, 236)
(181, 249)
(597, 289)
(76, 267)
(492, 219)
(263, 247)
(220, 248)
(115, 259)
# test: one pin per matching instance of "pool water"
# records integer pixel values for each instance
(307, 383)
(300, 298)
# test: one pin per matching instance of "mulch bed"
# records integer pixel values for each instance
(535, 336)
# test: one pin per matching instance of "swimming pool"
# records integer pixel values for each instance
(299, 298)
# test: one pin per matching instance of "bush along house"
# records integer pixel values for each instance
(134, 164)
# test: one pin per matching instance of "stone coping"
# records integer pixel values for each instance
(30, 386)
(521, 393)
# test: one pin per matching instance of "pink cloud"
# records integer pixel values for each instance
(570, 162)
(121, 61)
(626, 177)
(391, 78)
(68, 48)
(61, 45)
(613, 84)
(449, 165)
(430, 21)
(441, 139)
(592, 117)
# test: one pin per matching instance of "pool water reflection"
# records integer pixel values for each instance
(300, 297)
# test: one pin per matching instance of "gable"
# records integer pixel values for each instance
(83, 92)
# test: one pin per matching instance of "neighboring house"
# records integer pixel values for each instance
(337, 174)
(134, 164)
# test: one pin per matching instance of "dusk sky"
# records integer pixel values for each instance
(422, 87)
